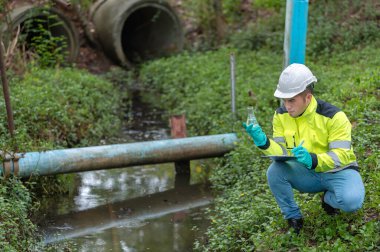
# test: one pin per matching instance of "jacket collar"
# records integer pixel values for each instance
(310, 109)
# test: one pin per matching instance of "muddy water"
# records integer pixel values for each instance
(144, 208)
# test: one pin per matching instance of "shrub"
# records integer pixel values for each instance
(61, 108)
(53, 108)
(245, 216)
(333, 26)
(47, 50)
(341, 26)
(199, 84)
(16, 229)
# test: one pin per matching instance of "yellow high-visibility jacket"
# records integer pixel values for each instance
(326, 132)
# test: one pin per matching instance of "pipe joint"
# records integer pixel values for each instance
(10, 163)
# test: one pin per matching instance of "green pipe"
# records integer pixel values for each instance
(116, 156)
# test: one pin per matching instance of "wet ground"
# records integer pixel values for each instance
(142, 208)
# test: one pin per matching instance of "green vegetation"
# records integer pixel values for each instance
(333, 26)
(61, 108)
(246, 215)
(53, 108)
(46, 49)
(64, 107)
(16, 229)
(338, 26)
(343, 42)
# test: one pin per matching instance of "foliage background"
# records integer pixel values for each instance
(53, 108)
(246, 215)
(59, 107)
(343, 40)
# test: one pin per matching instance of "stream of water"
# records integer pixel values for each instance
(142, 208)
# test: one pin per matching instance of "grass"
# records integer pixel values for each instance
(246, 216)
(67, 108)
(53, 109)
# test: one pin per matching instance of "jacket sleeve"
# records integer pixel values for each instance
(276, 146)
(340, 153)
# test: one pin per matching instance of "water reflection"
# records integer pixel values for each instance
(101, 187)
(132, 209)
(130, 213)
(144, 208)
(150, 236)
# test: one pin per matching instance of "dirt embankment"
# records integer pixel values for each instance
(91, 55)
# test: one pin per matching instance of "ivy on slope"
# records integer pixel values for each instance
(245, 216)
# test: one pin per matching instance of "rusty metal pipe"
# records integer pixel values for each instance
(116, 156)
(4, 81)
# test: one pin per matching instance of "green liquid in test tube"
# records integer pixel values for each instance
(251, 119)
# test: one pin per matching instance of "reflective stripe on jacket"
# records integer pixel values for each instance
(326, 132)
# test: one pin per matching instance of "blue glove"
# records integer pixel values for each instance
(303, 156)
(257, 134)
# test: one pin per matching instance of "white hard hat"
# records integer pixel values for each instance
(294, 80)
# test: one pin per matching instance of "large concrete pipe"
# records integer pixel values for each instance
(116, 156)
(30, 17)
(131, 31)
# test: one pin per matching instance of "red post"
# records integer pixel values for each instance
(178, 130)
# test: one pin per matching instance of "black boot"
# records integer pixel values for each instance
(328, 209)
(296, 224)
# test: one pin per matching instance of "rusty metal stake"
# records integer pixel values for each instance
(178, 130)
(4, 81)
(233, 106)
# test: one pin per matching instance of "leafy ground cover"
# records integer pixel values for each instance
(16, 229)
(60, 107)
(53, 108)
(245, 216)
(65, 108)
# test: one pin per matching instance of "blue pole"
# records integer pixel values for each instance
(295, 31)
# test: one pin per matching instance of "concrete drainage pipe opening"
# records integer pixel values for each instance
(38, 25)
(137, 30)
